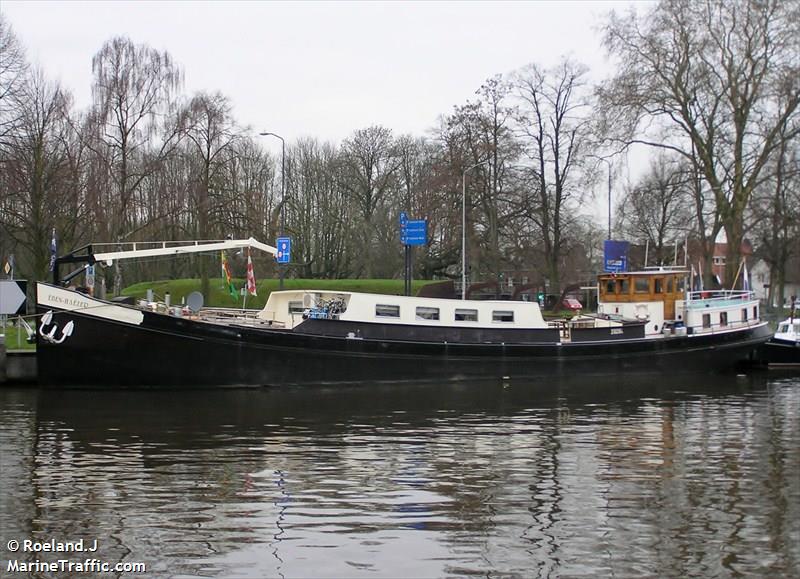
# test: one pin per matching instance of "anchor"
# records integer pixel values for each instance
(47, 319)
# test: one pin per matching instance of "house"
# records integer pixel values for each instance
(720, 257)
(761, 279)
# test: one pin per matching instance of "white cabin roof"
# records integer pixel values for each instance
(393, 309)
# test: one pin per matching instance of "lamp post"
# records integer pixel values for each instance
(464, 227)
(608, 164)
(281, 272)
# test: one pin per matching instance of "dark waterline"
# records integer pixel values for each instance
(608, 477)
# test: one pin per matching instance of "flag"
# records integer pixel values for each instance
(745, 279)
(700, 276)
(227, 281)
(53, 251)
(251, 277)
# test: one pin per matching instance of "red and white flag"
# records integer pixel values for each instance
(251, 277)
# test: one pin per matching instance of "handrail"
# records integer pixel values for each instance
(719, 295)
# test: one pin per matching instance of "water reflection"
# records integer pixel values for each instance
(610, 477)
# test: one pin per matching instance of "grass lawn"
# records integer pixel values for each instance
(180, 288)
(16, 338)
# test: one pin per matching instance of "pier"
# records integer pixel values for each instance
(16, 366)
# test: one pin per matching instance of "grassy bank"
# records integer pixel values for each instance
(180, 288)
(16, 338)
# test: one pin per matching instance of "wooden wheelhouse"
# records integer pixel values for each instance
(663, 285)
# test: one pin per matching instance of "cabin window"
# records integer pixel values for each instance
(641, 285)
(706, 320)
(425, 313)
(723, 319)
(610, 286)
(669, 285)
(466, 315)
(744, 314)
(502, 316)
(658, 285)
(783, 329)
(755, 312)
(622, 286)
(387, 311)
(296, 307)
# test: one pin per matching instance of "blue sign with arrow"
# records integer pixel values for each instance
(284, 254)
(414, 232)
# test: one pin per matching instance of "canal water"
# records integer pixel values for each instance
(607, 477)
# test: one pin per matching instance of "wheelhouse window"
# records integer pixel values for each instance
(296, 307)
(706, 320)
(387, 311)
(610, 286)
(755, 312)
(425, 313)
(658, 285)
(622, 286)
(463, 315)
(723, 319)
(502, 316)
(744, 314)
(669, 285)
(641, 285)
(680, 284)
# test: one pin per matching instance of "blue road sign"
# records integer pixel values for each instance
(615, 256)
(415, 232)
(284, 250)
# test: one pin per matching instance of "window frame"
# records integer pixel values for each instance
(465, 311)
(387, 307)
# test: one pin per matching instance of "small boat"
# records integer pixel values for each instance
(784, 347)
(648, 322)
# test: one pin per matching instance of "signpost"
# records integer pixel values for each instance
(412, 232)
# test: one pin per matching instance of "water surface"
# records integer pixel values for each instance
(598, 478)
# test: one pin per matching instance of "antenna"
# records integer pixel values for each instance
(195, 301)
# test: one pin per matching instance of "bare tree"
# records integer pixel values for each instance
(13, 71)
(133, 110)
(211, 132)
(778, 213)
(371, 165)
(35, 178)
(480, 134)
(553, 121)
(658, 207)
(714, 82)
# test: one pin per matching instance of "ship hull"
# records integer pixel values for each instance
(116, 345)
(780, 353)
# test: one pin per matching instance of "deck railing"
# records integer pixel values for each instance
(712, 296)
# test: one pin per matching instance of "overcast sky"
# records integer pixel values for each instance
(320, 69)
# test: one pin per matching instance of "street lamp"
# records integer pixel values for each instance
(608, 164)
(464, 227)
(281, 272)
